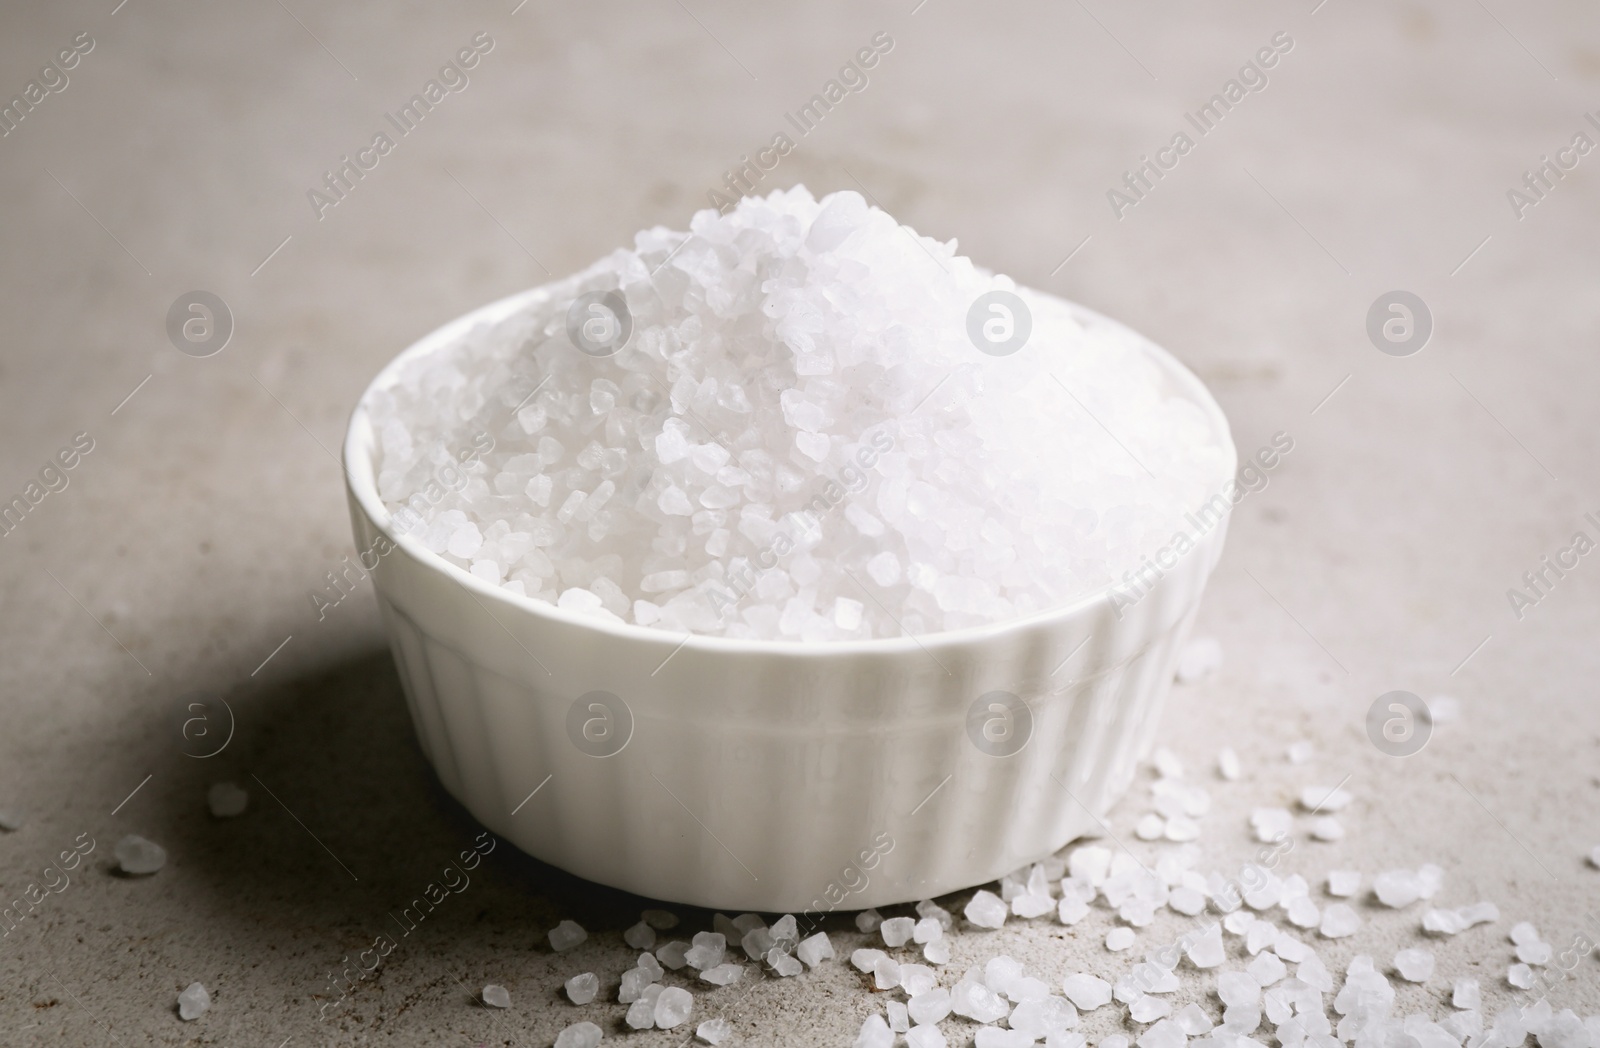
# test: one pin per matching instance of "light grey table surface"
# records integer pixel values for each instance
(179, 156)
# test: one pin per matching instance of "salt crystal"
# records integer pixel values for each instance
(1228, 764)
(1520, 976)
(566, 935)
(886, 973)
(1414, 965)
(917, 978)
(897, 931)
(634, 983)
(1029, 906)
(579, 1035)
(11, 821)
(1164, 1034)
(937, 952)
(748, 922)
(660, 920)
(925, 1037)
(708, 949)
(994, 1037)
(723, 974)
(899, 1016)
(875, 1033)
(640, 936)
(927, 930)
(1564, 1030)
(1167, 764)
(815, 949)
(1115, 1040)
(713, 1031)
(866, 958)
(868, 921)
(1339, 921)
(986, 909)
(673, 954)
(1303, 913)
(1260, 936)
(1324, 798)
(673, 1007)
(1299, 752)
(1271, 824)
(1594, 857)
(1119, 939)
(1290, 949)
(1267, 969)
(1207, 950)
(494, 996)
(227, 799)
(641, 1014)
(193, 1002)
(1199, 659)
(1327, 828)
(1524, 932)
(1238, 988)
(927, 909)
(1536, 953)
(977, 1002)
(1397, 888)
(1187, 901)
(1344, 883)
(581, 989)
(1148, 1008)
(756, 942)
(783, 964)
(138, 857)
(1464, 993)
(930, 1006)
(1150, 827)
(1087, 992)
(1039, 1016)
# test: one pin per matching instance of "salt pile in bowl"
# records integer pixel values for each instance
(803, 436)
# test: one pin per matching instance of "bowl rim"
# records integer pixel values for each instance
(360, 442)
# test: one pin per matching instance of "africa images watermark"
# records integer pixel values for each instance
(1252, 79)
(1543, 579)
(852, 79)
(1251, 478)
(53, 479)
(340, 180)
(52, 80)
(1538, 183)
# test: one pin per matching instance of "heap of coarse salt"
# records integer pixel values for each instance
(781, 425)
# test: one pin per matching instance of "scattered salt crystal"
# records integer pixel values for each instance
(137, 856)
(897, 931)
(713, 1031)
(581, 989)
(1414, 965)
(1207, 951)
(930, 1006)
(927, 909)
(1167, 764)
(1324, 798)
(1150, 827)
(1260, 936)
(1344, 883)
(1188, 901)
(925, 1037)
(866, 959)
(641, 1014)
(1520, 976)
(977, 1002)
(1327, 828)
(986, 909)
(1087, 992)
(1339, 921)
(1228, 764)
(1465, 993)
(1115, 1040)
(1071, 909)
(886, 973)
(1524, 932)
(927, 930)
(1238, 988)
(1119, 939)
(1537, 953)
(783, 964)
(660, 920)
(708, 950)
(673, 1007)
(1303, 913)
(815, 949)
(1267, 969)
(496, 996)
(756, 942)
(748, 922)
(868, 921)
(1397, 888)
(899, 1016)
(11, 821)
(1038, 1016)
(1164, 1034)
(566, 935)
(875, 1033)
(193, 1002)
(640, 936)
(723, 974)
(937, 952)
(1148, 1008)
(673, 954)
(1200, 658)
(1271, 824)
(634, 983)
(1238, 922)
(917, 979)
(579, 1035)
(1594, 855)
(1299, 752)
(227, 799)
(1181, 828)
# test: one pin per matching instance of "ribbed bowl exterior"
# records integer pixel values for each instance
(773, 777)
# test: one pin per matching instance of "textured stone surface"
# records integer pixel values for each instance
(211, 506)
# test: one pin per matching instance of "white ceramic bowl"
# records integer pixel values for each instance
(772, 776)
